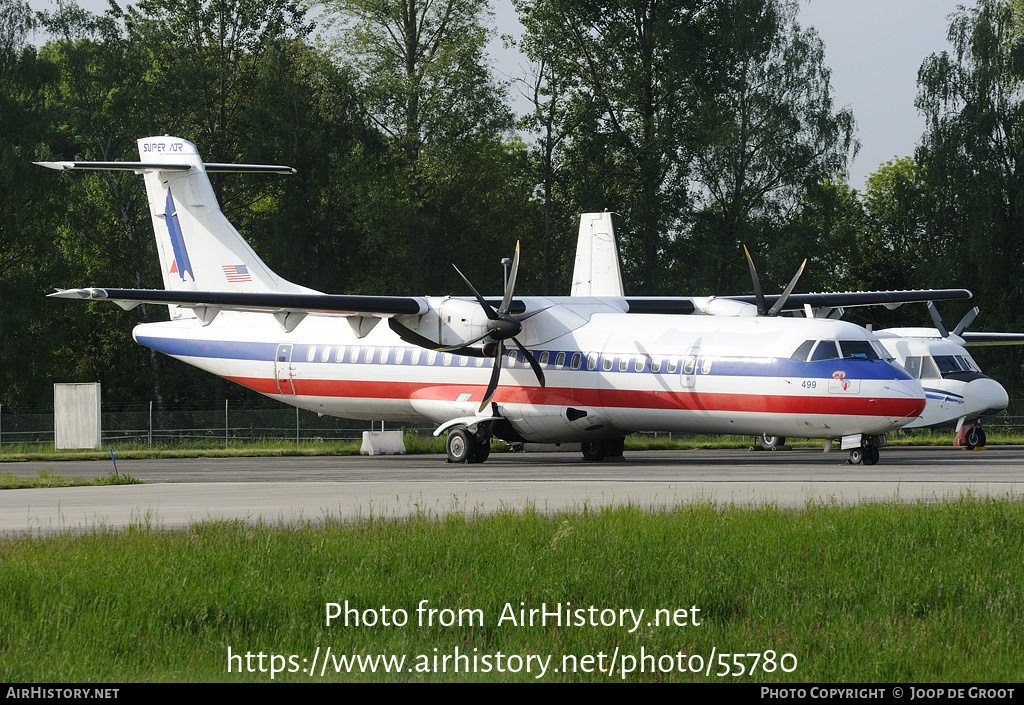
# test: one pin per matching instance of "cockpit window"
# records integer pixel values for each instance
(825, 350)
(947, 364)
(803, 351)
(928, 369)
(858, 349)
(969, 363)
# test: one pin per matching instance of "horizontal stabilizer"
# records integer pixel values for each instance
(143, 167)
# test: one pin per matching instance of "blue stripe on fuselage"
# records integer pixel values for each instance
(720, 366)
(224, 349)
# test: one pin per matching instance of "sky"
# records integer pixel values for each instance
(874, 48)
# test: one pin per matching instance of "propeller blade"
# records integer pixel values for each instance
(758, 293)
(460, 346)
(493, 383)
(774, 310)
(506, 300)
(967, 320)
(532, 360)
(937, 320)
(491, 313)
(413, 338)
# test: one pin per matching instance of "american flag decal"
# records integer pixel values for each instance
(236, 272)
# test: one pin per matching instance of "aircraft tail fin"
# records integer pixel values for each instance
(200, 250)
(597, 271)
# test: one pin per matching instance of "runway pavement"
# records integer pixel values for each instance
(179, 492)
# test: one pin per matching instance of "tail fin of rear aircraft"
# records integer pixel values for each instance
(597, 271)
(199, 248)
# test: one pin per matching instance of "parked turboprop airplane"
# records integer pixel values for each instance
(957, 391)
(588, 369)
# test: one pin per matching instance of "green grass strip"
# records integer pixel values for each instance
(872, 593)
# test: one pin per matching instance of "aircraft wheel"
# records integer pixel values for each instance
(615, 447)
(857, 456)
(461, 445)
(771, 442)
(593, 451)
(974, 437)
(871, 455)
(483, 450)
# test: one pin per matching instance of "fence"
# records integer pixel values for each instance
(226, 425)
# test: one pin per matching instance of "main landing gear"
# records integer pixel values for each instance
(866, 454)
(595, 451)
(771, 442)
(465, 446)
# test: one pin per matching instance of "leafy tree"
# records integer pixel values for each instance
(972, 157)
(28, 262)
(633, 72)
(971, 154)
(425, 85)
(770, 132)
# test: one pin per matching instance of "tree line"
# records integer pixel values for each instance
(703, 124)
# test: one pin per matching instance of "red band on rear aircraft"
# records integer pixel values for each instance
(838, 404)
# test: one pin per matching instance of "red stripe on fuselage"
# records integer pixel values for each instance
(837, 404)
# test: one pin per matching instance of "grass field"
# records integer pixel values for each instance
(878, 592)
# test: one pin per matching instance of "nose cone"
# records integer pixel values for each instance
(984, 397)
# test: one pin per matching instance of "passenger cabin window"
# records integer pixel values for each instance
(560, 360)
(353, 354)
(592, 361)
(369, 354)
(310, 353)
(384, 352)
(415, 359)
(689, 364)
(325, 354)
(705, 366)
(623, 363)
(655, 364)
(638, 365)
(399, 356)
(673, 365)
(609, 362)
(544, 357)
(339, 356)
(577, 358)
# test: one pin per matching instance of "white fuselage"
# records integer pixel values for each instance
(608, 373)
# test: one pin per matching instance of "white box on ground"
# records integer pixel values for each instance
(76, 415)
(383, 443)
